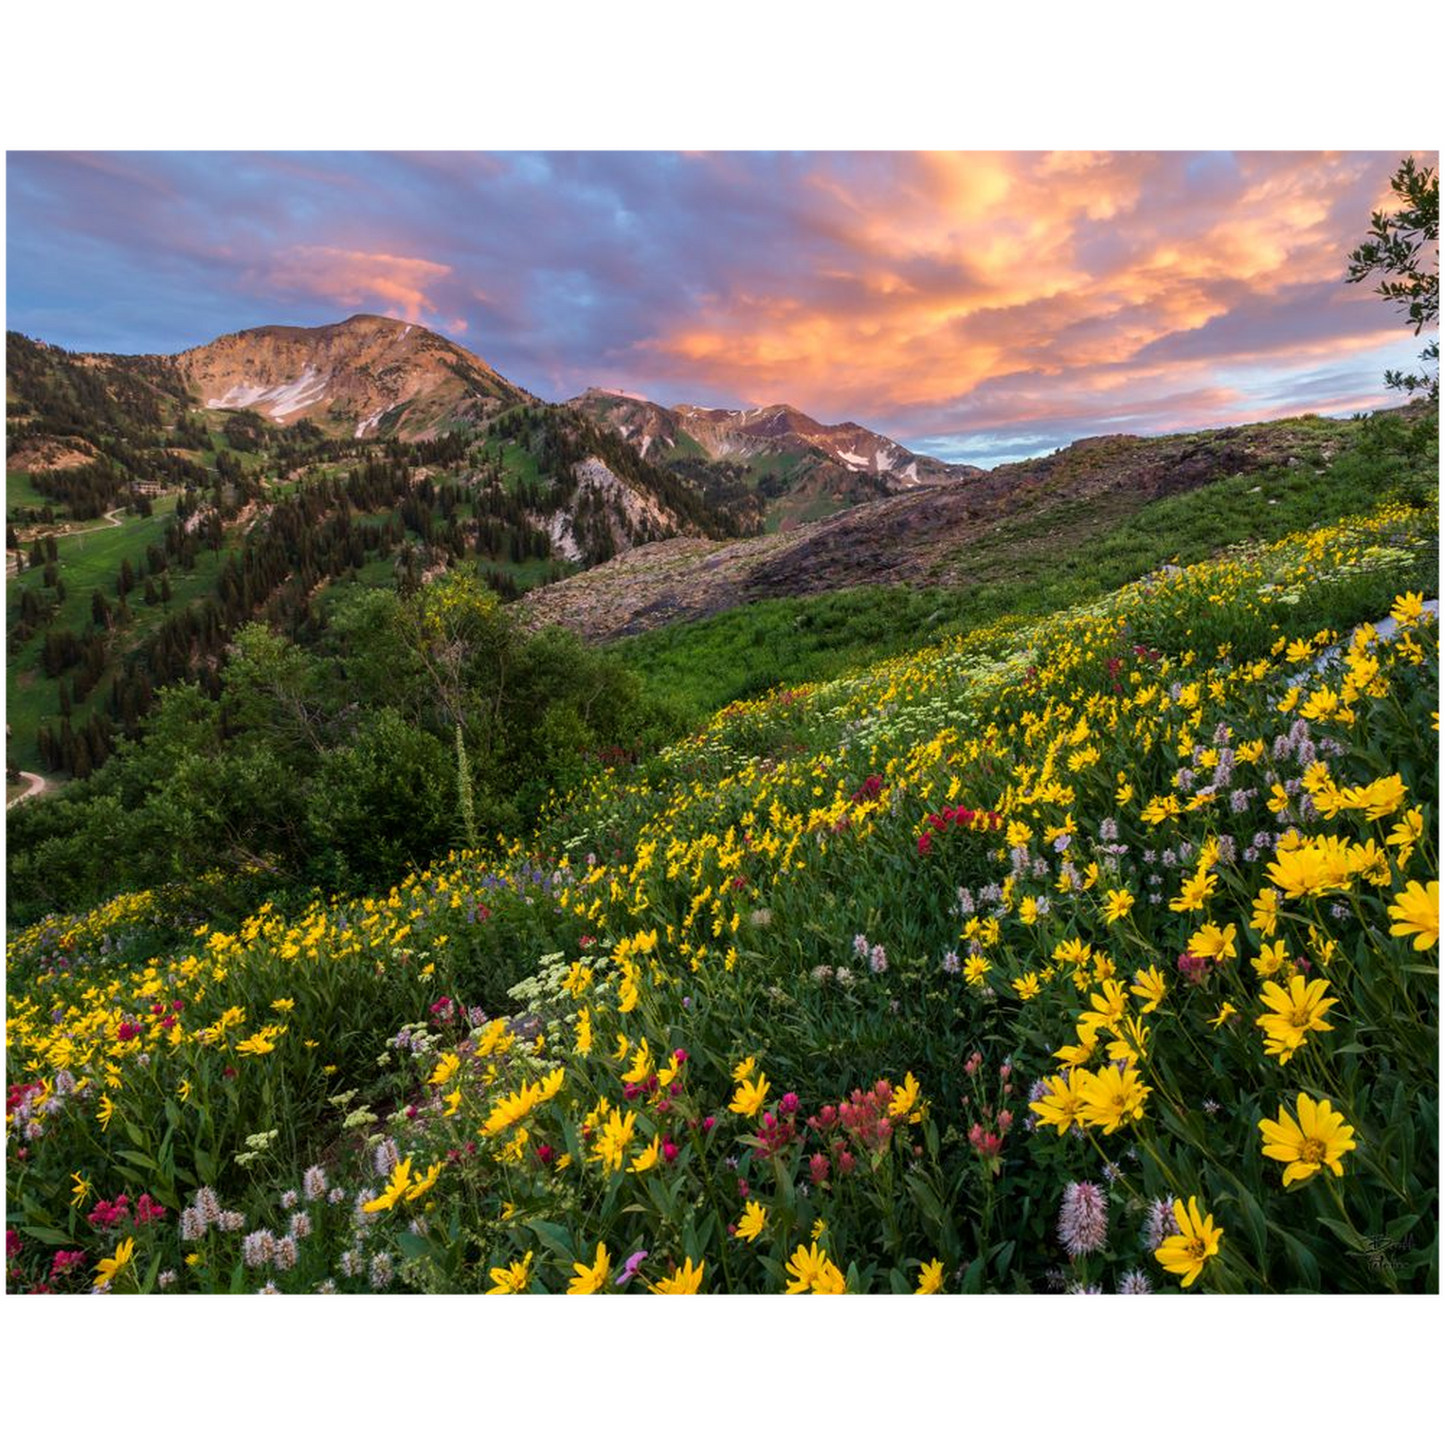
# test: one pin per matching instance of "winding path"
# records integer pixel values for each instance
(37, 786)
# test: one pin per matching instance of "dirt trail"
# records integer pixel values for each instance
(37, 786)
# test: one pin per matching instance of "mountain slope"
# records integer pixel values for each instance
(363, 377)
(936, 535)
(800, 469)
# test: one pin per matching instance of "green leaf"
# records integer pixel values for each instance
(1345, 1232)
(555, 1237)
(413, 1246)
(45, 1234)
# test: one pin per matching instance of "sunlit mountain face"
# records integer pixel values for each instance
(972, 307)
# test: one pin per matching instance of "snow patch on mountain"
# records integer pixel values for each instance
(276, 401)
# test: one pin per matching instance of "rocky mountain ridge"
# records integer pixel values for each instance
(799, 469)
(924, 536)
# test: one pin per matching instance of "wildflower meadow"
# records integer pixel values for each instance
(1091, 953)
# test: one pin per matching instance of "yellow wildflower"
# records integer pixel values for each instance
(588, 1279)
(686, 1279)
(512, 1278)
(1185, 1253)
(1317, 1140)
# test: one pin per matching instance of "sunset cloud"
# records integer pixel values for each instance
(975, 304)
(396, 286)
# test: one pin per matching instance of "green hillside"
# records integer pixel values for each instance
(846, 990)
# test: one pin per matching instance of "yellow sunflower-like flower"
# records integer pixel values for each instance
(1061, 1100)
(1149, 985)
(1083, 1051)
(1417, 915)
(1211, 941)
(1109, 1007)
(905, 1098)
(1320, 866)
(930, 1277)
(588, 1279)
(1117, 903)
(396, 1188)
(1112, 1097)
(1185, 1253)
(753, 1222)
(610, 1150)
(424, 1182)
(512, 1278)
(1405, 834)
(812, 1272)
(447, 1065)
(1313, 1142)
(1265, 918)
(750, 1096)
(647, 1158)
(1293, 1013)
(1194, 893)
(107, 1270)
(1272, 958)
(685, 1279)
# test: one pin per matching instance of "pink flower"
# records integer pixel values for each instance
(629, 1270)
(1083, 1219)
(147, 1211)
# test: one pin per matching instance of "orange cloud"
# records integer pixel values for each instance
(398, 286)
(944, 272)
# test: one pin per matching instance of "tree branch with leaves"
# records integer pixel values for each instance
(1404, 248)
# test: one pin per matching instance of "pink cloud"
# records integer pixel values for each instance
(1087, 272)
(399, 286)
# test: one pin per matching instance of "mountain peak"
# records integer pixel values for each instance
(364, 376)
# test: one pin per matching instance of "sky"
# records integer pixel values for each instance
(975, 306)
